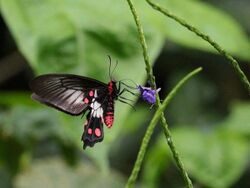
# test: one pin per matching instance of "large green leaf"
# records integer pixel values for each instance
(222, 28)
(157, 161)
(76, 37)
(214, 159)
(239, 119)
(61, 35)
(30, 125)
(54, 172)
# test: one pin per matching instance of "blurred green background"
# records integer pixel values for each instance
(209, 117)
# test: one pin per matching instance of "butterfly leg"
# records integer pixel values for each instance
(125, 102)
(124, 98)
(126, 90)
(127, 85)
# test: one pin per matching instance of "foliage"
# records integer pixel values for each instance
(215, 158)
(83, 37)
(76, 37)
(56, 174)
(209, 20)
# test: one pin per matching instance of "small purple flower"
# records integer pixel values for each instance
(148, 94)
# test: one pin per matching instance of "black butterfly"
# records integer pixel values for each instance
(77, 95)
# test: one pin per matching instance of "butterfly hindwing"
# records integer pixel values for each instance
(69, 93)
(93, 128)
(93, 132)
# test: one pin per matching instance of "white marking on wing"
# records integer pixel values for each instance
(79, 99)
(97, 110)
(74, 97)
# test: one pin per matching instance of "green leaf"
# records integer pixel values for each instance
(72, 36)
(76, 37)
(220, 26)
(157, 160)
(54, 172)
(239, 119)
(215, 159)
(137, 117)
(4, 177)
(9, 99)
(29, 125)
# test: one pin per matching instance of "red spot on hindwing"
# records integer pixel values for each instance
(90, 131)
(91, 93)
(98, 132)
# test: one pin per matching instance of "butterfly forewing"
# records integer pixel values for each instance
(65, 92)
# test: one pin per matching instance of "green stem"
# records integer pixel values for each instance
(159, 114)
(149, 69)
(207, 38)
(151, 127)
(174, 151)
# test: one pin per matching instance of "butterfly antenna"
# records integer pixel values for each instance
(116, 63)
(110, 62)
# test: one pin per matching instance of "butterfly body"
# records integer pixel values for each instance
(113, 93)
(77, 95)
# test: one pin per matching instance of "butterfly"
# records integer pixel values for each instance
(76, 95)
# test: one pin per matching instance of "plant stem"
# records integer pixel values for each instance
(207, 38)
(143, 43)
(159, 113)
(174, 151)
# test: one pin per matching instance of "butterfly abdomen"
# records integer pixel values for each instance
(109, 114)
(109, 111)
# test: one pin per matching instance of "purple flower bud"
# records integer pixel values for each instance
(148, 94)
